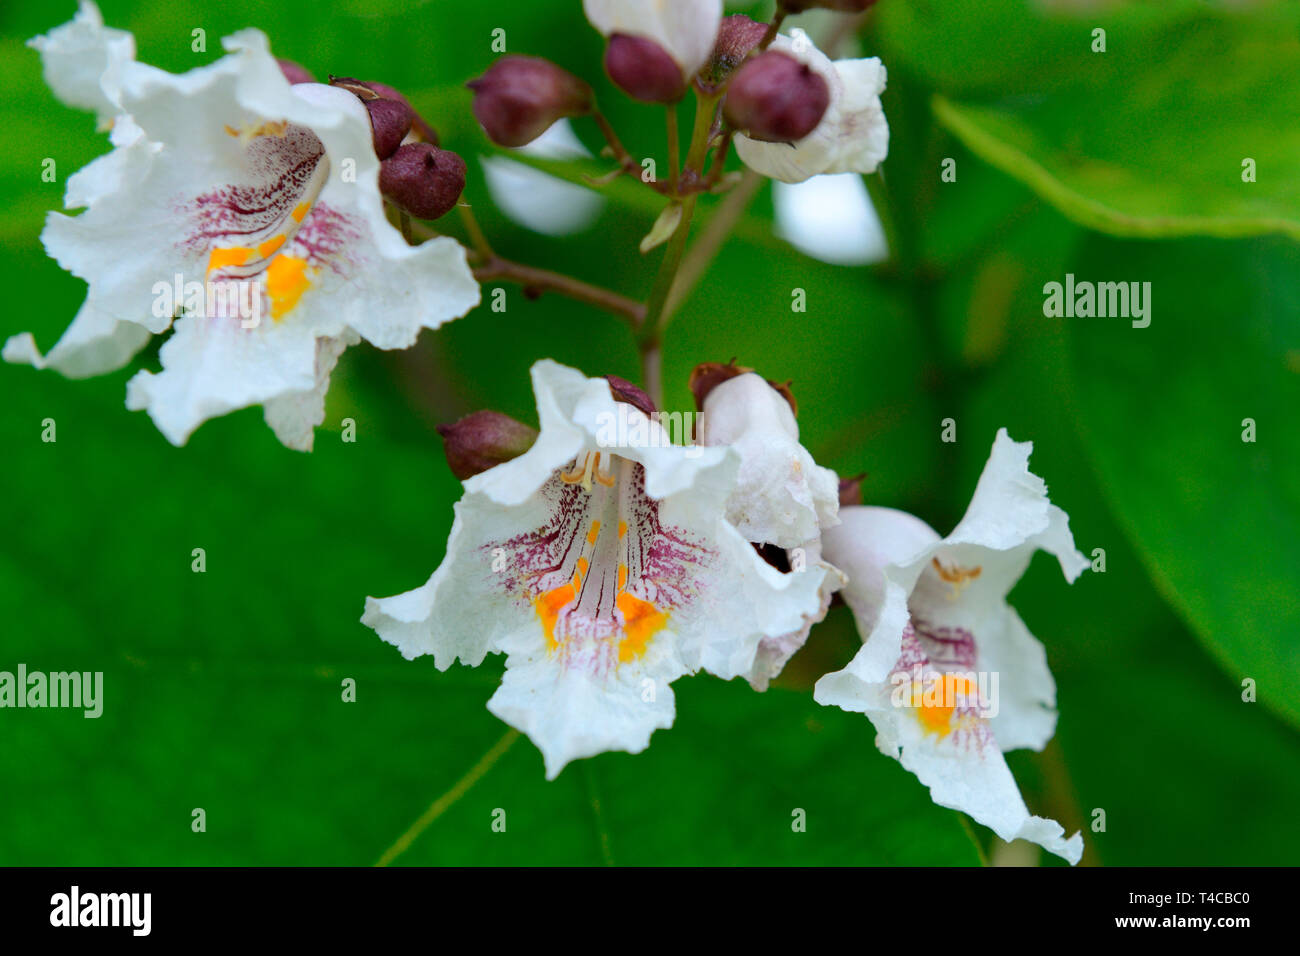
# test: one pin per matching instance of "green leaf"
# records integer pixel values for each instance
(1166, 412)
(1130, 144)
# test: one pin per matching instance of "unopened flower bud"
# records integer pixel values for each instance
(422, 180)
(776, 99)
(418, 125)
(482, 440)
(624, 391)
(390, 121)
(295, 72)
(519, 97)
(644, 70)
(736, 37)
(391, 115)
(707, 376)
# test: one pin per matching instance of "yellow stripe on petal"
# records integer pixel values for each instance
(234, 256)
(641, 622)
(940, 699)
(286, 281)
(268, 248)
(548, 607)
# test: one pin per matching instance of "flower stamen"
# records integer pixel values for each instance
(959, 578)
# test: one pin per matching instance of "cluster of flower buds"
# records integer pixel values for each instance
(414, 174)
(775, 91)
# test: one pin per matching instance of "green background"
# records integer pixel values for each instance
(223, 688)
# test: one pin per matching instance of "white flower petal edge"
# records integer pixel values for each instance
(782, 496)
(775, 652)
(228, 180)
(602, 572)
(935, 621)
(853, 135)
(80, 59)
(686, 29)
(95, 343)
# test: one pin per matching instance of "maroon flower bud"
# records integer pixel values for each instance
(422, 129)
(776, 99)
(624, 391)
(519, 97)
(643, 69)
(851, 490)
(482, 440)
(843, 6)
(295, 73)
(736, 37)
(707, 376)
(390, 121)
(391, 115)
(422, 180)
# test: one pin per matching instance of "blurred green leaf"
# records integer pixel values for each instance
(1164, 409)
(1119, 141)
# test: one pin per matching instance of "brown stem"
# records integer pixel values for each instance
(701, 254)
(626, 161)
(542, 280)
(652, 372)
(773, 28)
(482, 247)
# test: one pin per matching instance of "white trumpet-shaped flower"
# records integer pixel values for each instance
(853, 134)
(242, 215)
(948, 673)
(602, 564)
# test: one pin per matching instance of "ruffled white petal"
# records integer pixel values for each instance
(853, 135)
(872, 547)
(964, 777)
(80, 60)
(95, 343)
(686, 29)
(576, 711)
(782, 496)
(775, 652)
(212, 366)
(293, 416)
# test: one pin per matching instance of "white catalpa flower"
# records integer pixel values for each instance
(948, 673)
(782, 501)
(244, 215)
(685, 29)
(853, 135)
(603, 569)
